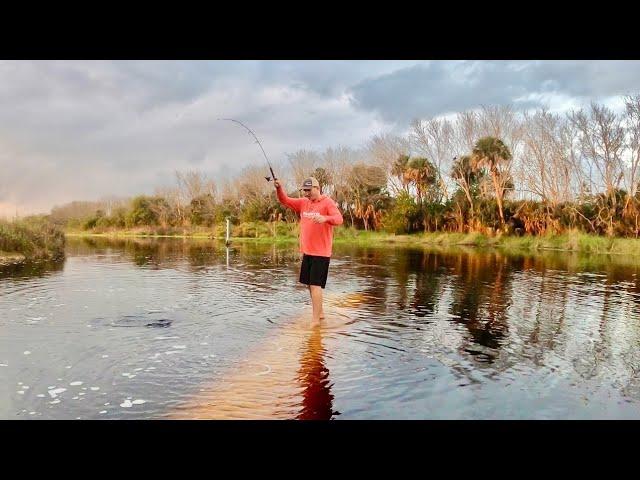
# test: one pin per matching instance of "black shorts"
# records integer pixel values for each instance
(314, 270)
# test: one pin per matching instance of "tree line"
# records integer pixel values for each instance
(489, 170)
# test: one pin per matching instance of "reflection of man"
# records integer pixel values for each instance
(318, 215)
(317, 400)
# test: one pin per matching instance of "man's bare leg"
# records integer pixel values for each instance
(316, 302)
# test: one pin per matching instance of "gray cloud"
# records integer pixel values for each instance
(445, 87)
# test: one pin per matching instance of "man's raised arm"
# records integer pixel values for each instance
(293, 203)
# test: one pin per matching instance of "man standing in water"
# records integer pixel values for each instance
(318, 215)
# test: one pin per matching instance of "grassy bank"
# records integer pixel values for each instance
(30, 239)
(573, 241)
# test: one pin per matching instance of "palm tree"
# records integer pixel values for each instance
(398, 169)
(423, 173)
(491, 153)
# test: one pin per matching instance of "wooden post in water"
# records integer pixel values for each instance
(227, 242)
(274, 220)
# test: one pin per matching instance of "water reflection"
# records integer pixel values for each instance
(27, 270)
(449, 332)
(506, 310)
(480, 302)
(317, 399)
(167, 253)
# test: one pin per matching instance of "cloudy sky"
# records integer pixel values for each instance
(83, 130)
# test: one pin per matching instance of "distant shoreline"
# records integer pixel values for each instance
(569, 242)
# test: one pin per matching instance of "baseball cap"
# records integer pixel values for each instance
(310, 182)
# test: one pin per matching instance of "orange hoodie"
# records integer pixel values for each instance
(315, 238)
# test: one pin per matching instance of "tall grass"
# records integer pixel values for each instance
(33, 237)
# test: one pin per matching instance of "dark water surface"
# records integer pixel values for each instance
(146, 328)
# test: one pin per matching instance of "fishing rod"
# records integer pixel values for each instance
(273, 175)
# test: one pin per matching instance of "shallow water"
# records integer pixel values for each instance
(147, 329)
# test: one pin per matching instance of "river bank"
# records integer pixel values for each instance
(573, 241)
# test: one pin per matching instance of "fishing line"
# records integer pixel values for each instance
(273, 175)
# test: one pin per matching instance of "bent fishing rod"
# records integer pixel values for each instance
(273, 175)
